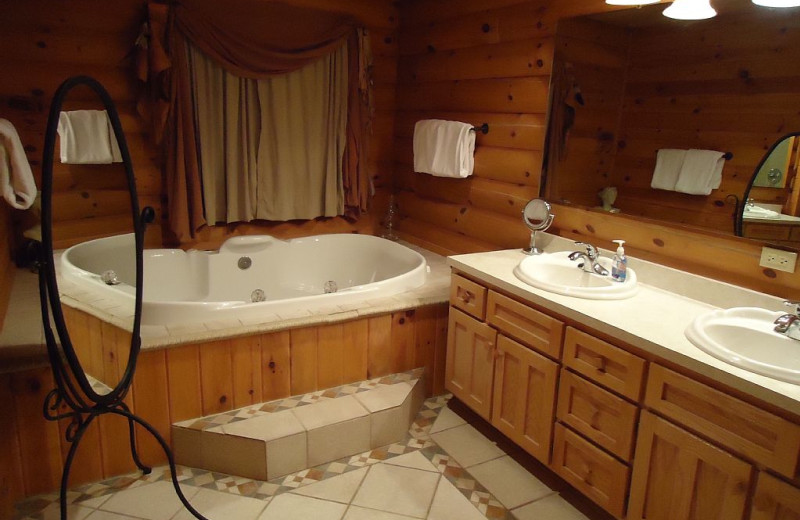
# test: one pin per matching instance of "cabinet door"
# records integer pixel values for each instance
(469, 369)
(679, 476)
(524, 397)
(775, 500)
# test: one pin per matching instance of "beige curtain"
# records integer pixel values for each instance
(271, 149)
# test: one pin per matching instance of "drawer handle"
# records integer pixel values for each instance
(601, 365)
(593, 422)
(465, 296)
(587, 478)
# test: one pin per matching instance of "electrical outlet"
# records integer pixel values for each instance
(778, 259)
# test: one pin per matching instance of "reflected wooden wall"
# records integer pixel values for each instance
(479, 61)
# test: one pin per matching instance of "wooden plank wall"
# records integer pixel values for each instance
(188, 381)
(6, 265)
(591, 61)
(490, 61)
(729, 84)
(43, 44)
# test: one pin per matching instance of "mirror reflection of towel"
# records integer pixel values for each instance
(87, 138)
(701, 172)
(668, 167)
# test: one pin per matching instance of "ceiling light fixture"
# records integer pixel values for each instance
(690, 10)
(777, 3)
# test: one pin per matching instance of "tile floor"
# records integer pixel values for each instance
(444, 469)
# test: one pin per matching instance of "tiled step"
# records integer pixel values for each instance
(273, 439)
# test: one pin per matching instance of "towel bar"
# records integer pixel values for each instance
(484, 128)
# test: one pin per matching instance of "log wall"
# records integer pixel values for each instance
(188, 381)
(491, 62)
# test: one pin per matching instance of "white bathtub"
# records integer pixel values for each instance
(290, 275)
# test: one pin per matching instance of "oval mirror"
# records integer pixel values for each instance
(537, 215)
(87, 172)
(771, 206)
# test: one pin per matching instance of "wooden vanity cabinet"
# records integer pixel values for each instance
(639, 439)
(469, 366)
(677, 475)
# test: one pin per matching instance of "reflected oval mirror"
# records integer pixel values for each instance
(537, 215)
(771, 209)
(92, 283)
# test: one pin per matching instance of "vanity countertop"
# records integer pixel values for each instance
(653, 319)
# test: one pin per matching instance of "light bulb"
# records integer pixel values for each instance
(690, 10)
(777, 3)
(632, 2)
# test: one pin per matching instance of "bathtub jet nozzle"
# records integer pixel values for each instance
(330, 287)
(110, 277)
(258, 296)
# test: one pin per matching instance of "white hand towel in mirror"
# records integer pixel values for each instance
(444, 148)
(87, 138)
(16, 180)
(701, 172)
(668, 166)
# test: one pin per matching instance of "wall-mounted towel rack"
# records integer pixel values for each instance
(484, 128)
(728, 156)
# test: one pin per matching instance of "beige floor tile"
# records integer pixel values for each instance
(324, 413)
(287, 455)
(362, 513)
(509, 482)
(338, 440)
(447, 419)
(95, 503)
(449, 503)
(289, 506)
(388, 426)
(105, 515)
(467, 445)
(338, 489)
(74, 512)
(156, 501)
(414, 460)
(396, 489)
(552, 508)
(216, 505)
(384, 397)
(266, 427)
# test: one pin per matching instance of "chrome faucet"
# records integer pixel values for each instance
(789, 323)
(589, 257)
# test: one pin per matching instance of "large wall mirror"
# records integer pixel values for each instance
(629, 83)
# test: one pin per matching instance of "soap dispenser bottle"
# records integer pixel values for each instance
(619, 266)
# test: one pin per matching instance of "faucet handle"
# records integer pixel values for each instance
(591, 251)
(794, 305)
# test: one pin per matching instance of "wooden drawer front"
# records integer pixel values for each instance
(767, 231)
(469, 368)
(529, 326)
(598, 414)
(524, 397)
(744, 428)
(604, 363)
(593, 472)
(775, 500)
(468, 296)
(677, 475)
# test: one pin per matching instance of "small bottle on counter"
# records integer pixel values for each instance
(619, 265)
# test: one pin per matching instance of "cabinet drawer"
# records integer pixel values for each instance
(598, 414)
(604, 363)
(767, 231)
(468, 296)
(527, 325)
(742, 427)
(590, 470)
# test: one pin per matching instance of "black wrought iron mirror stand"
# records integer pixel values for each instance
(73, 387)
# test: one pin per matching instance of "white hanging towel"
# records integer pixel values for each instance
(87, 138)
(444, 148)
(16, 179)
(701, 172)
(668, 167)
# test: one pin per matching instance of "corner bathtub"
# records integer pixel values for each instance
(250, 276)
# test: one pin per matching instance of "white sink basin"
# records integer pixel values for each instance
(556, 273)
(744, 337)
(759, 212)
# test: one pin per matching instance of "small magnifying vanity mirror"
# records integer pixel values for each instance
(538, 216)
